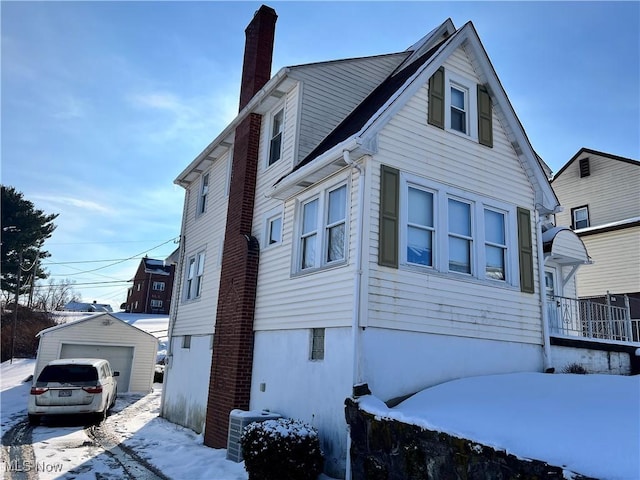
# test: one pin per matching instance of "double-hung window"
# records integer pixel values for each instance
(156, 303)
(420, 226)
(158, 286)
(459, 105)
(204, 191)
(495, 241)
(323, 229)
(460, 236)
(195, 271)
(275, 138)
(580, 217)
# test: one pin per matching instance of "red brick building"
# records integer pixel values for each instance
(152, 287)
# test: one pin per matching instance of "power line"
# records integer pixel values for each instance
(126, 259)
(92, 261)
(72, 285)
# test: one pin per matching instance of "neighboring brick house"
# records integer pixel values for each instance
(152, 287)
(377, 220)
(601, 196)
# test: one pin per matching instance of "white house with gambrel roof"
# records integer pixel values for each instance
(393, 239)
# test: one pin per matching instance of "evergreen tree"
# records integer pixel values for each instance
(24, 231)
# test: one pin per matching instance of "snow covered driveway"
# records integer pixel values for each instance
(132, 443)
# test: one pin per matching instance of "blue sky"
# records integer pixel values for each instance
(104, 103)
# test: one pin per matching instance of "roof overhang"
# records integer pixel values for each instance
(262, 102)
(322, 167)
(562, 246)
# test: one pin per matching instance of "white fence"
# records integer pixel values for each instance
(592, 318)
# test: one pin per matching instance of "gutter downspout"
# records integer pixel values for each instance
(546, 341)
(357, 292)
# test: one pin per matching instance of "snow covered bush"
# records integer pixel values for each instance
(281, 449)
(575, 368)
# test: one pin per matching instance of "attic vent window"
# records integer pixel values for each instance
(584, 168)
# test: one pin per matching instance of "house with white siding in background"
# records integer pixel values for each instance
(366, 224)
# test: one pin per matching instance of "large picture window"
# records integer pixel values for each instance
(323, 229)
(450, 231)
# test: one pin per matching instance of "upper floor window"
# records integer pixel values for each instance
(459, 106)
(275, 137)
(580, 217)
(194, 273)
(204, 190)
(158, 286)
(156, 303)
(323, 229)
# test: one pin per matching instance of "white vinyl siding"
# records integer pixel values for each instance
(328, 297)
(204, 233)
(331, 90)
(410, 299)
(610, 191)
(616, 257)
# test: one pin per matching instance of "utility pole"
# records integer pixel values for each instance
(15, 308)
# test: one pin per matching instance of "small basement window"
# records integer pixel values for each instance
(317, 344)
(186, 341)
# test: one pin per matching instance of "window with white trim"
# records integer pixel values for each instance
(275, 136)
(323, 221)
(448, 230)
(156, 303)
(194, 273)
(461, 99)
(460, 236)
(273, 228)
(580, 217)
(495, 244)
(204, 191)
(159, 286)
(459, 106)
(420, 226)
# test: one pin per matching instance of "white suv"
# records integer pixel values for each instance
(73, 386)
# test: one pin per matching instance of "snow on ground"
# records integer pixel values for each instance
(588, 424)
(65, 449)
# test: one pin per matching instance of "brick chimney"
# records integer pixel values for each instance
(232, 360)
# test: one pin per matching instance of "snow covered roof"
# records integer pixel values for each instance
(156, 325)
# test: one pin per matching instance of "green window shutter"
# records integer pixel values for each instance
(485, 119)
(436, 99)
(389, 216)
(525, 249)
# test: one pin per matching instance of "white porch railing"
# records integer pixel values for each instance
(572, 317)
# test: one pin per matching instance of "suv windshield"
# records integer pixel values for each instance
(75, 374)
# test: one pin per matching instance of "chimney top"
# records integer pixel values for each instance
(258, 52)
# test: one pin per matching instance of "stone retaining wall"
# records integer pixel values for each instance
(384, 449)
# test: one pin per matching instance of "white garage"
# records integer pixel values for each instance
(131, 351)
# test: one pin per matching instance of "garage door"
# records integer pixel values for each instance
(120, 358)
